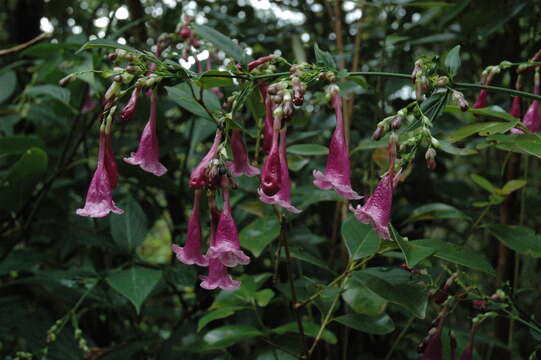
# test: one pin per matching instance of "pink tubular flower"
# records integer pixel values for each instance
(198, 177)
(110, 162)
(240, 164)
(271, 177)
(283, 197)
(226, 246)
(531, 119)
(516, 112)
(267, 129)
(376, 211)
(148, 152)
(481, 100)
(253, 64)
(337, 172)
(218, 277)
(191, 252)
(128, 111)
(99, 199)
(433, 347)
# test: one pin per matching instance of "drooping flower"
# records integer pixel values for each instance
(89, 104)
(516, 111)
(191, 252)
(110, 162)
(531, 119)
(99, 199)
(271, 177)
(433, 346)
(198, 177)
(148, 152)
(128, 111)
(481, 101)
(467, 354)
(337, 172)
(283, 197)
(240, 164)
(226, 245)
(376, 211)
(218, 277)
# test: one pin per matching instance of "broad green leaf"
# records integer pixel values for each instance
(413, 253)
(513, 185)
(214, 78)
(432, 108)
(501, 18)
(56, 92)
(107, 44)
(216, 315)
(518, 238)
(9, 83)
(182, 95)
(377, 325)
(361, 239)
(308, 149)
(300, 254)
(323, 57)
(134, 283)
(435, 211)
(453, 150)
(222, 42)
(362, 299)
(395, 287)
(18, 144)
(325, 299)
(457, 254)
(530, 144)
(259, 233)
(228, 335)
(129, 229)
(305, 196)
(484, 183)
(21, 179)
(494, 112)
(263, 297)
(310, 329)
(452, 61)
(483, 129)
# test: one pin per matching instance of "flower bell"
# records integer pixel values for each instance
(271, 173)
(198, 177)
(432, 349)
(226, 245)
(110, 162)
(283, 197)
(240, 164)
(218, 277)
(99, 199)
(148, 152)
(191, 252)
(337, 172)
(128, 111)
(481, 101)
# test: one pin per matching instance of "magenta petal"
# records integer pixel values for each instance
(267, 128)
(99, 199)
(128, 111)
(110, 162)
(191, 252)
(271, 177)
(218, 277)
(376, 211)
(337, 173)
(148, 152)
(481, 101)
(198, 177)
(531, 119)
(240, 164)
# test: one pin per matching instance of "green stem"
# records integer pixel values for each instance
(379, 73)
(400, 336)
(498, 89)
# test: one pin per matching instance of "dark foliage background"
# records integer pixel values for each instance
(90, 273)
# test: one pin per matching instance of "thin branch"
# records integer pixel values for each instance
(26, 44)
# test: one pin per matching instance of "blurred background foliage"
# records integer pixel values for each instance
(124, 290)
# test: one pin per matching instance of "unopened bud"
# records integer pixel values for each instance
(112, 91)
(479, 304)
(442, 81)
(66, 80)
(378, 133)
(461, 100)
(196, 43)
(185, 32)
(397, 121)
(430, 157)
(112, 56)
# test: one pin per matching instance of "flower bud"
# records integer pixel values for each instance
(378, 133)
(112, 56)
(462, 102)
(397, 121)
(430, 157)
(195, 43)
(185, 32)
(66, 80)
(442, 81)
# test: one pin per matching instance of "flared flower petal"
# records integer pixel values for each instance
(240, 164)
(218, 277)
(271, 177)
(99, 199)
(226, 245)
(283, 197)
(337, 173)
(198, 177)
(376, 211)
(148, 152)
(191, 252)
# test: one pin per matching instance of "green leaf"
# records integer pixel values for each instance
(222, 42)
(501, 18)
(182, 95)
(435, 211)
(258, 234)
(457, 255)
(483, 129)
(214, 78)
(129, 229)
(18, 144)
(432, 108)
(518, 238)
(56, 92)
(362, 299)
(413, 253)
(134, 283)
(21, 179)
(452, 61)
(9, 83)
(107, 44)
(310, 329)
(453, 150)
(323, 57)
(217, 314)
(300, 254)
(361, 239)
(228, 335)
(264, 297)
(530, 144)
(513, 185)
(377, 325)
(484, 183)
(308, 149)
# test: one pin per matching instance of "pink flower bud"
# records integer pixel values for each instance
(185, 32)
(198, 177)
(271, 173)
(128, 111)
